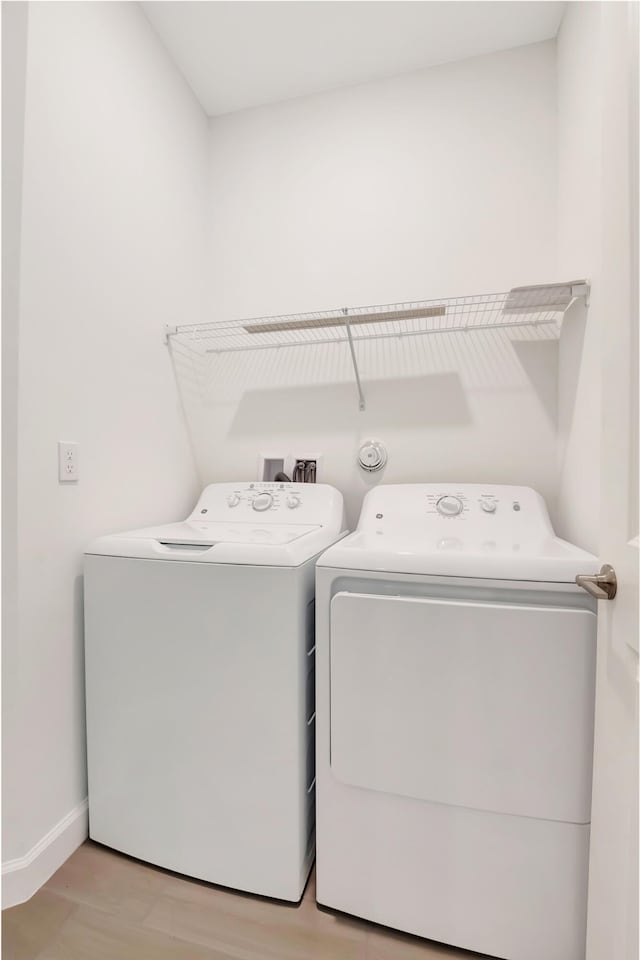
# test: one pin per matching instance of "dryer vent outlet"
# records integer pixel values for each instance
(269, 468)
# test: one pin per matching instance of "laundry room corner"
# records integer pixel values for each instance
(106, 248)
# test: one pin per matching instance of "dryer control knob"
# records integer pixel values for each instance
(233, 500)
(489, 506)
(449, 506)
(293, 501)
(262, 502)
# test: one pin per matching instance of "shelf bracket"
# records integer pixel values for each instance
(581, 289)
(354, 359)
(169, 331)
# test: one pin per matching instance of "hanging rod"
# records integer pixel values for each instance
(395, 335)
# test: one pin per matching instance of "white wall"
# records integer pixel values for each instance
(113, 238)
(580, 201)
(436, 183)
(14, 65)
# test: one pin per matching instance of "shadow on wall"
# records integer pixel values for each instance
(436, 400)
(539, 360)
(482, 403)
(571, 352)
(488, 361)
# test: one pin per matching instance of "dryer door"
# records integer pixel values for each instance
(481, 705)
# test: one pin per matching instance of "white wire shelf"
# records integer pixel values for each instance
(529, 306)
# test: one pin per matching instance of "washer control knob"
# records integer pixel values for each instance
(449, 506)
(233, 500)
(372, 455)
(262, 501)
(293, 501)
(489, 506)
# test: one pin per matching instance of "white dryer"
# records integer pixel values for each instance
(199, 647)
(455, 680)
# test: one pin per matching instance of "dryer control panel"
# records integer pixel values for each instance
(466, 508)
(484, 531)
(270, 502)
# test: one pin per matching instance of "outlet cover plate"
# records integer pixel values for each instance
(68, 471)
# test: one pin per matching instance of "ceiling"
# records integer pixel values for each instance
(239, 53)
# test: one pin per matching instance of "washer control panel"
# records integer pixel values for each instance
(273, 502)
(454, 512)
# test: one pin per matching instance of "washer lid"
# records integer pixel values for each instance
(484, 531)
(199, 533)
(245, 543)
(249, 524)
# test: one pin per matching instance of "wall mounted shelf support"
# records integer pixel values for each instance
(354, 360)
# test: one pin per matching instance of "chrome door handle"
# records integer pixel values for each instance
(602, 586)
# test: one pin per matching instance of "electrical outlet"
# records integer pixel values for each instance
(68, 461)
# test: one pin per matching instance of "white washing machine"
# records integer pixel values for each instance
(455, 671)
(199, 680)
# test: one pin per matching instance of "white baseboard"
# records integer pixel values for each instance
(23, 877)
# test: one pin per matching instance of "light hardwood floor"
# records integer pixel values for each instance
(104, 906)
